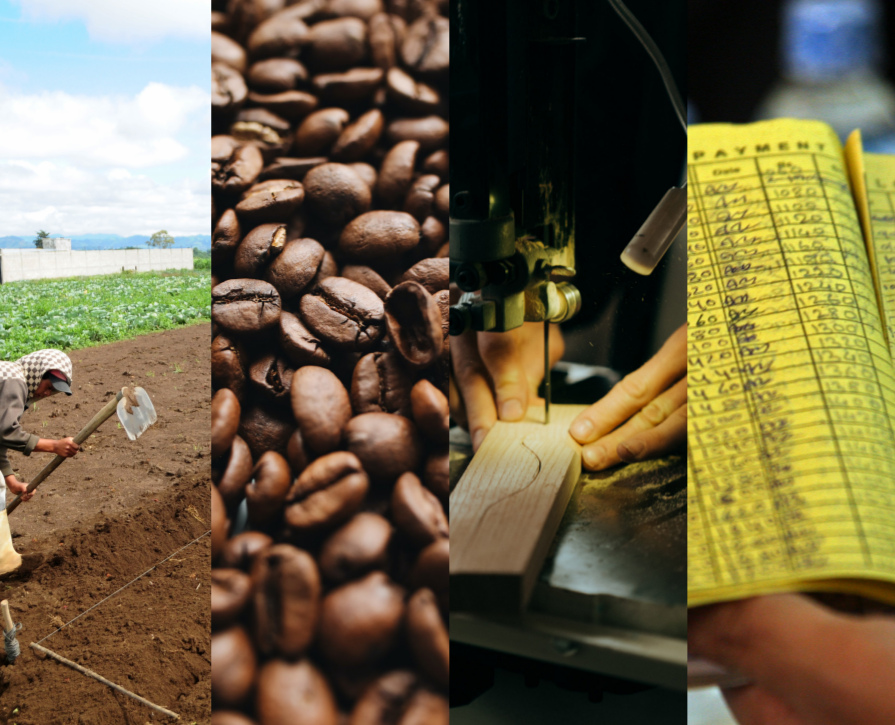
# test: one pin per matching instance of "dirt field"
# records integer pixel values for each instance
(101, 519)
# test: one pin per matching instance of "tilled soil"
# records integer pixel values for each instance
(102, 519)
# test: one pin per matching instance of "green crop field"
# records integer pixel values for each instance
(69, 314)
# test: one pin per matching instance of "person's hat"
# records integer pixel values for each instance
(59, 381)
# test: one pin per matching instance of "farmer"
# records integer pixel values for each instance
(33, 377)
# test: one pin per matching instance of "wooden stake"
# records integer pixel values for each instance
(7, 619)
(91, 673)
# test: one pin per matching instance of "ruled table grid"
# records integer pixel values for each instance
(791, 383)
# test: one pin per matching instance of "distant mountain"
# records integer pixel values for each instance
(107, 241)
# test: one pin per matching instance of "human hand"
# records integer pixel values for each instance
(643, 416)
(808, 665)
(495, 375)
(19, 488)
(66, 447)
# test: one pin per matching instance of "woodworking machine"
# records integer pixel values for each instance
(512, 211)
(513, 152)
(611, 600)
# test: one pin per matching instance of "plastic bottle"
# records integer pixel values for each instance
(832, 55)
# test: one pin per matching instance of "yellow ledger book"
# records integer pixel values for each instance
(791, 311)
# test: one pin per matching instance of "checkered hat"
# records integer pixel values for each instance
(35, 365)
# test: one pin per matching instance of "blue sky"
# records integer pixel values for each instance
(104, 116)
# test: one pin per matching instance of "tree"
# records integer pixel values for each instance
(161, 239)
(39, 239)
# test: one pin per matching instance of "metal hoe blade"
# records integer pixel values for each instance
(142, 414)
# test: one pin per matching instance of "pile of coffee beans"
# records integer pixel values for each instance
(330, 362)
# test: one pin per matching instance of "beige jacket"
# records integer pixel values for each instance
(13, 401)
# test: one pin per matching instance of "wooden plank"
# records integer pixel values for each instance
(507, 507)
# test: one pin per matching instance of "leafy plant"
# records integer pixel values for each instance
(70, 314)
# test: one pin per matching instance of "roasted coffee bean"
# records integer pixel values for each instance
(245, 306)
(233, 667)
(358, 547)
(270, 201)
(240, 551)
(426, 48)
(430, 411)
(329, 491)
(227, 51)
(430, 273)
(387, 445)
(290, 692)
(336, 193)
(379, 234)
(296, 454)
(386, 34)
(263, 129)
(344, 314)
(234, 166)
(400, 698)
(295, 267)
(236, 474)
(271, 378)
(368, 277)
(227, 235)
(230, 592)
(366, 173)
(431, 132)
(363, 9)
(358, 139)
(228, 90)
(292, 105)
(360, 621)
(219, 522)
(266, 429)
(286, 599)
(436, 472)
(443, 201)
(409, 95)
(417, 512)
(229, 717)
(337, 44)
(428, 637)
(319, 131)
(227, 365)
(281, 35)
(433, 237)
(267, 491)
(275, 75)
(413, 321)
(291, 168)
(321, 407)
(299, 344)
(438, 163)
(225, 412)
(397, 172)
(381, 384)
(420, 199)
(329, 168)
(431, 570)
(258, 248)
(352, 86)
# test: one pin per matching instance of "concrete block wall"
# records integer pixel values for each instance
(22, 264)
(63, 243)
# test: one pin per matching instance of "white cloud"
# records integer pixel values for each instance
(70, 200)
(125, 21)
(77, 164)
(120, 131)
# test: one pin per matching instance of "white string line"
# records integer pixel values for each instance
(126, 585)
